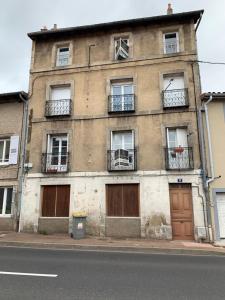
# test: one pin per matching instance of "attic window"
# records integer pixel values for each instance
(171, 43)
(62, 56)
(121, 48)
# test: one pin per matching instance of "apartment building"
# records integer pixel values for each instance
(213, 145)
(113, 129)
(13, 108)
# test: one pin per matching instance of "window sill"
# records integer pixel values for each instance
(6, 216)
(122, 217)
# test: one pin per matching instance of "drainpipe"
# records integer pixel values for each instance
(208, 181)
(22, 160)
(205, 180)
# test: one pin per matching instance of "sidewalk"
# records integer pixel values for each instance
(62, 241)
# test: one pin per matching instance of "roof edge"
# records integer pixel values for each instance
(139, 21)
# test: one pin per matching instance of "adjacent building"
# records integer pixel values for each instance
(13, 108)
(213, 142)
(113, 129)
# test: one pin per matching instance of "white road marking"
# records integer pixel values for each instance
(28, 274)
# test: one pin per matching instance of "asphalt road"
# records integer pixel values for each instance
(109, 275)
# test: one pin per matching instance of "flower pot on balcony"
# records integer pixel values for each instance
(179, 150)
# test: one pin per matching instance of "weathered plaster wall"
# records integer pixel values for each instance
(88, 194)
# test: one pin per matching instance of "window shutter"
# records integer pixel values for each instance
(13, 153)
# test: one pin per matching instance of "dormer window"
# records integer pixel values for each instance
(62, 58)
(171, 43)
(121, 48)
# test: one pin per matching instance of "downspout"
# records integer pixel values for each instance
(23, 157)
(205, 180)
(208, 181)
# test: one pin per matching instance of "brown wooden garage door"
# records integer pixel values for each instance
(56, 200)
(181, 211)
(122, 200)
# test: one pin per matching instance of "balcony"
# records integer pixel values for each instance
(121, 103)
(55, 163)
(58, 108)
(179, 158)
(122, 160)
(175, 98)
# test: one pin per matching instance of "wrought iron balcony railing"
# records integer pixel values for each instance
(179, 158)
(55, 162)
(122, 160)
(175, 98)
(121, 103)
(60, 107)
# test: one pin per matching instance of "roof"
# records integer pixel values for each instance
(13, 97)
(180, 17)
(216, 95)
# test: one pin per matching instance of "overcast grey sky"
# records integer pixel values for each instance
(17, 17)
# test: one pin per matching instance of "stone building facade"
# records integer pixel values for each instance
(13, 108)
(113, 129)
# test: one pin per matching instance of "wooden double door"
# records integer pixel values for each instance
(181, 211)
(55, 200)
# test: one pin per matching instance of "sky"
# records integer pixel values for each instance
(18, 17)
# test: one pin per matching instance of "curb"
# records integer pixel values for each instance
(112, 248)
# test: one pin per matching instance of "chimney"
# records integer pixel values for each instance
(169, 9)
(55, 26)
(44, 28)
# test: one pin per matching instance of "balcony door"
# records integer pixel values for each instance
(122, 97)
(122, 150)
(178, 153)
(174, 90)
(57, 156)
(60, 100)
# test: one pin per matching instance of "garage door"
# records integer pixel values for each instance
(181, 211)
(56, 200)
(122, 200)
(220, 197)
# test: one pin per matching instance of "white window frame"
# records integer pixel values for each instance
(3, 162)
(3, 214)
(177, 39)
(58, 56)
(121, 131)
(59, 166)
(115, 44)
(122, 84)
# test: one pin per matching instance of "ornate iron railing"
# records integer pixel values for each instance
(179, 158)
(55, 162)
(175, 98)
(121, 103)
(60, 107)
(122, 160)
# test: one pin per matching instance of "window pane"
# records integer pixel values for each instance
(1, 199)
(128, 140)
(128, 89)
(1, 150)
(8, 201)
(7, 147)
(117, 141)
(117, 90)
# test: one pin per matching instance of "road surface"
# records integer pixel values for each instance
(64, 274)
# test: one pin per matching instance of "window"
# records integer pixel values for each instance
(174, 91)
(5, 200)
(122, 200)
(171, 43)
(121, 48)
(122, 97)
(122, 153)
(4, 151)
(60, 101)
(56, 159)
(63, 54)
(179, 155)
(56, 201)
